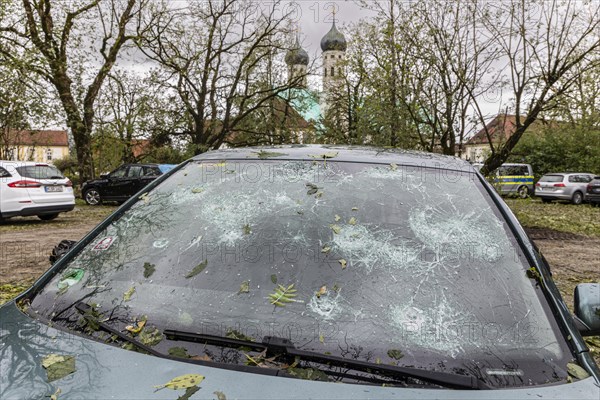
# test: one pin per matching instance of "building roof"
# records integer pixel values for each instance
(334, 40)
(500, 129)
(297, 55)
(37, 138)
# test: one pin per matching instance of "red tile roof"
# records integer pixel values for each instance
(38, 138)
(500, 129)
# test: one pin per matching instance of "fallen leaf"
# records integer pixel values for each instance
(274, 279)
(182, 382)
(331, 154)
(354, 208)
(352, 221)
(343, 263)
(321, 338)
(149, 269)
(395, 354)
(197, 190)
(322, 291)
(145, 198)
(247, 230)
(197, 269)
(335, 228)
(393, 166)
(203, 357)
(138, 328)
(57, 367)
(337, 218)
(576, 371)
(326, 249)
(150, 337)
(283, 295)
(220, 395)
(310, 374)
(180, 352)
(55, 395)
(268, 154)
(127, 295)
(244, 287)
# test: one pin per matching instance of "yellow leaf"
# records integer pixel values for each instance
(321, 338)
(326, 249)
(322, 291)
(393, 166)
(127, 295)
(337, 218)
(343, 263)
(352, 221)
(182, 382)
(335, 228)
(138, 329)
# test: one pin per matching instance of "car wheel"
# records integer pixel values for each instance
(92, 197)
(47, 217)
(546, 200)
(577, 198)
(523, 192)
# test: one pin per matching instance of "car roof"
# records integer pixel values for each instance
(356, 154)
(24, 163)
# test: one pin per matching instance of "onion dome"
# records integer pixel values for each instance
(296, 55)
(334, 40)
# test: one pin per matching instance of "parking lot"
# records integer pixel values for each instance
(567, 235)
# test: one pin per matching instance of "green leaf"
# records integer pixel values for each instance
(268, 154)
(57, 367)
(149, 270)
(150, 337)
(576, 371)
(331, 154)
(180, 352)
(283, 295)
(310, 374)
(244, 287)
(197, 269)
(234, 334)
(274, 279)
(127, 295)
(395, 354)
(182, 382)
(247, 230)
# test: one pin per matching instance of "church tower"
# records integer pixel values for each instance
(334, 47)
(297, 61)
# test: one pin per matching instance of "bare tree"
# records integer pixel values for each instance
(547, 45)
(214, 55)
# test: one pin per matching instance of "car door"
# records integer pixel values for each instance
(132, 182)
(115, 181)
(151, 172)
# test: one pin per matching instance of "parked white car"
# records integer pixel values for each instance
(30, 188)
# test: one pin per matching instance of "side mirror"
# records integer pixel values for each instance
(104, 176)
(587, 308)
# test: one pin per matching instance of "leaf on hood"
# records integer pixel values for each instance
(312, 189)
(197, 269)
(331, 154)
(127, 295)
(197, 190)
(393, 166)
(352, 221)
(247, 230)
(220, 395)
(55, 395)
(343, 263)
(274, 279)
(149, 269)
(322, 290)
(182, 382)
(137, 328)
(326, 249)
(57, 367)
(234, 334)
(354, 208)
(310, 374)
(337, 218)
(244, 287)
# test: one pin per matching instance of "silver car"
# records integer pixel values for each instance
(563, 186)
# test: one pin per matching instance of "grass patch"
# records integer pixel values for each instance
(532, 213)
(9, 291)
(82, 213)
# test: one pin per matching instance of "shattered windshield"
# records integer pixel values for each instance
(383, 263)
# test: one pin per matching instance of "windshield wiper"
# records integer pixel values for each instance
(284, 347)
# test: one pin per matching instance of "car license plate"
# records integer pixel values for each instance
(54, 188)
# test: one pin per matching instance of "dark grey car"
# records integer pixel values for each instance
(563, 186)
(303, 272)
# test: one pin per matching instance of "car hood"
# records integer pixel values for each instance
(105, 372)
